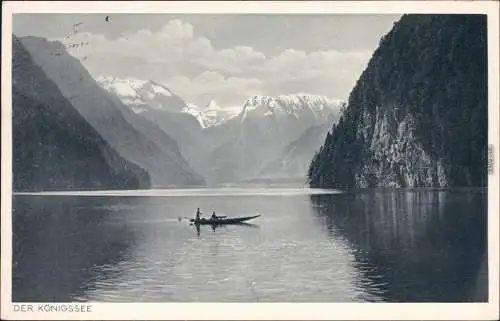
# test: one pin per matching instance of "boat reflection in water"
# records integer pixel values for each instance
(216, 226)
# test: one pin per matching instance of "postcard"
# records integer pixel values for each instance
(250, 160)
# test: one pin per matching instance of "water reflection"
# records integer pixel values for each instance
(57, 248)
(363, 246)
(413, 246)
(214, 227)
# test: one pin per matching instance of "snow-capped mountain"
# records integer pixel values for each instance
(214, 115)
(246, 143)
(296, 105)
(183, 121)
(141, 95)
(234, 142)
(194, 111)
(159, 105)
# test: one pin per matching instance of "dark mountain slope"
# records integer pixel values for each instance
(54, 148)
(418, 114)
(133, 137)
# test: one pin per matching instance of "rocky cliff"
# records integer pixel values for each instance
(417, 116)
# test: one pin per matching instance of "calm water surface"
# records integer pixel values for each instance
(369, 245)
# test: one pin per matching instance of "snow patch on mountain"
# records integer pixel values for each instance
(214, 115)
(140, 95)
(138, 92)
(160, 90)
(291, 105)
(195, 112)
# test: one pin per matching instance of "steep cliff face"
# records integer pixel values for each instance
(54, 148)
(417, 116)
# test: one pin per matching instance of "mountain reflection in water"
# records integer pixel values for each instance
(413, 245)
(57, 246)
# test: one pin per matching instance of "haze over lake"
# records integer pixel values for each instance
(371, 245)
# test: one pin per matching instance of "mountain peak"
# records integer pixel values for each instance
(213, 114)
(137, 93)
(298, 99)
(141, 95)
(158, 88)
(212, 105)
(290, 104)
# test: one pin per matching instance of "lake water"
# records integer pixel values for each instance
(308, 246)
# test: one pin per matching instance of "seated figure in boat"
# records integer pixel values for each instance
(214, 217)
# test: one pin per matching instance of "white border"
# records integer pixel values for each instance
(260, 311)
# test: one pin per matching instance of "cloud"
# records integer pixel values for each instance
(177, 30)
(295, 63)
(211, 85)
(235, 60)
(288, 60)
(198, 72)
(173, 43)
(331, 73)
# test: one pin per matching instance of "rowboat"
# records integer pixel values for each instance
(222, 221)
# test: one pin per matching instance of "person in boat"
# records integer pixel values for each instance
(214, 217)
(198, 213)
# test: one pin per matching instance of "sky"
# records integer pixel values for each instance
(221, 57)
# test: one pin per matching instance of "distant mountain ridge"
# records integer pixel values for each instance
(141, 95)
(212, 114)
(225, 143)
(54, 148)
(417, 116)
(296, 105)
(245, 144)
(296, 157)
(135, 138)
(171, 114)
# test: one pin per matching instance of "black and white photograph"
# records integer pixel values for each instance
(249, 157)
